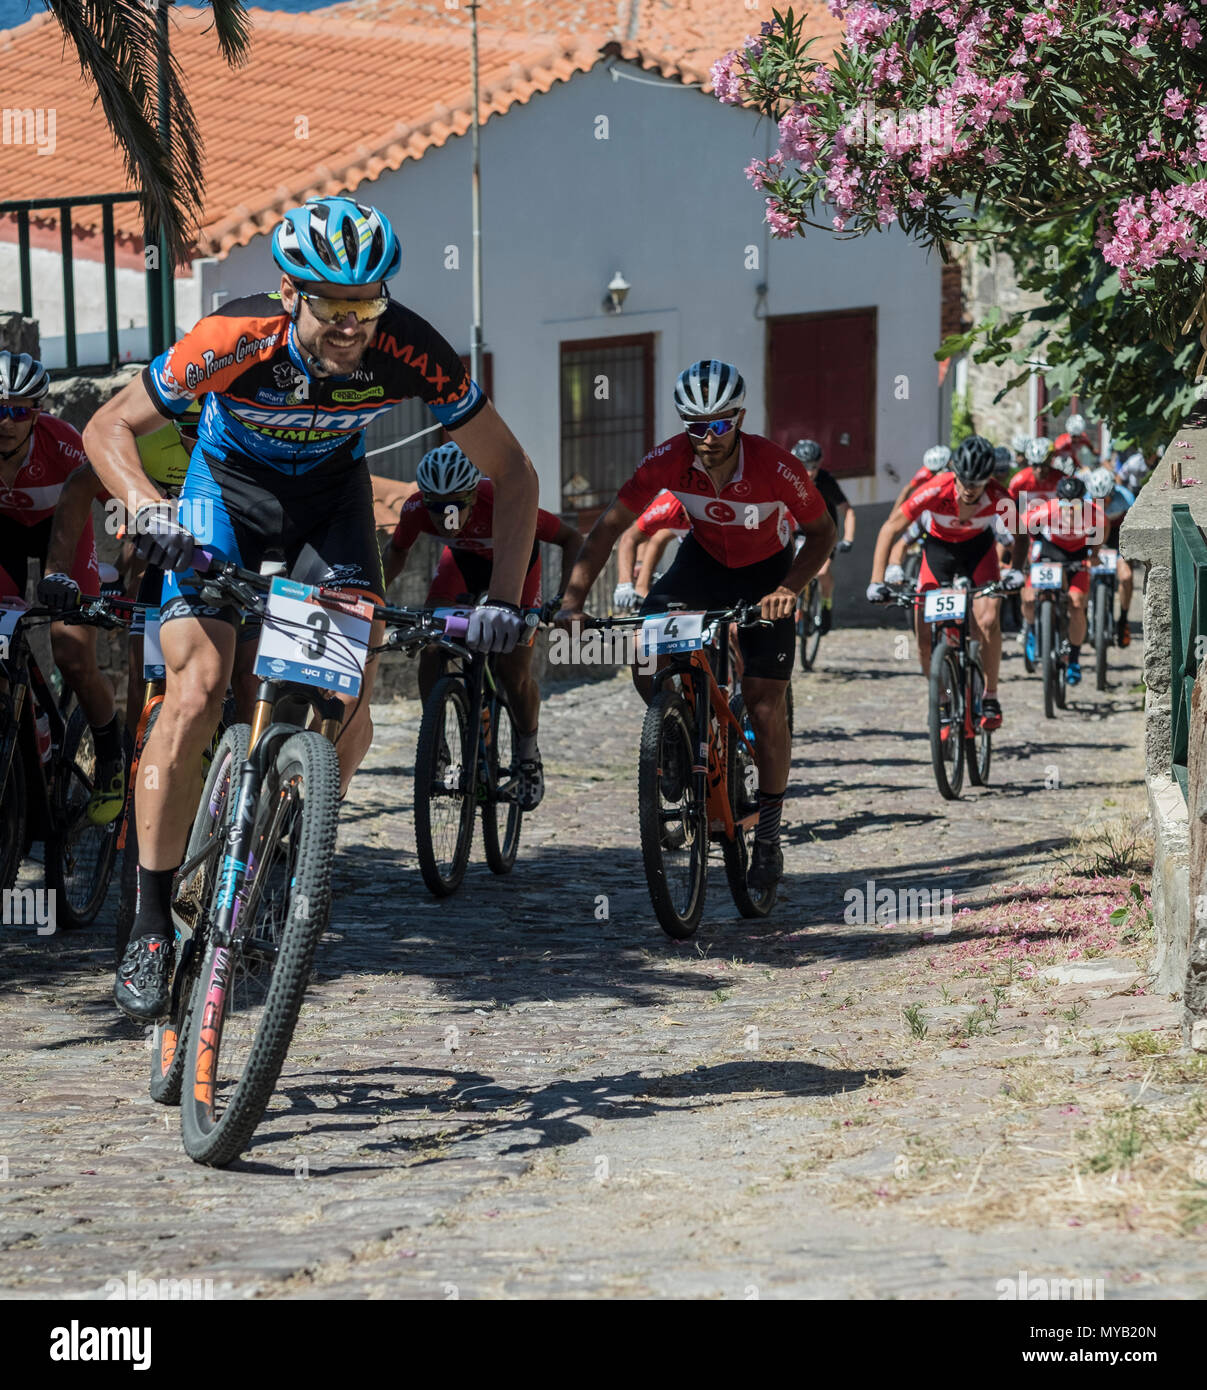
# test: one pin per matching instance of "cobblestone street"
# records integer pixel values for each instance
(502, 1094)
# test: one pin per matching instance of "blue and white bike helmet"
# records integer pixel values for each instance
(338, 242)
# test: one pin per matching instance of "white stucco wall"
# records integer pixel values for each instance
(664, 200)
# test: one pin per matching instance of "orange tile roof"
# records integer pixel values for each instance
(316, 66)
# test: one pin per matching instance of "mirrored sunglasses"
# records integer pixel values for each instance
(16, 412)
(701, 429)
(328, 310)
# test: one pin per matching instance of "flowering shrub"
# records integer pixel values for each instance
(979, 119)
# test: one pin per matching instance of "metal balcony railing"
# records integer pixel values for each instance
(20, 208)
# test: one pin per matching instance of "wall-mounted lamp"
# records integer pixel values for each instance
(618, 290)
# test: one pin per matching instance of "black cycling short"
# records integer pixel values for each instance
(948, 561)
(700, 582)
(1112, 536)
(319, 522)
(1042, 549)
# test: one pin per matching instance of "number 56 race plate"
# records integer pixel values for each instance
(314, 636)
(944, 605)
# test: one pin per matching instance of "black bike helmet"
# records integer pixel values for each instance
(972, 461)
(1070, 489)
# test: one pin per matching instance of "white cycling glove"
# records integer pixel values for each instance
(1013, 579)
(624, 597)
(494, 626)
(894, 575)
(879, 593)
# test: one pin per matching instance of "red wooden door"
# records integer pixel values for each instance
(821, 384)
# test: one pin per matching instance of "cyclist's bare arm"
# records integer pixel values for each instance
(848, 522)
(653, 553)
(71, 514)
(896, 526)
(492, 447)
(626, 554)
(820, 535)
(109, 442)
(570, 542)
(594, 553)
(393, 561)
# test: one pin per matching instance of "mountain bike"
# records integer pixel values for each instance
(808, 623)
(956, 685)
(696, 779)
(1050, 582)
(1100, 611)
(47, 770)
(253, 896)
(466, 756)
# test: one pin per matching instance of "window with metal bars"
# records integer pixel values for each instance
(607, 416)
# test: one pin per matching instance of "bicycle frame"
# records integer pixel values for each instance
(710, 691)
(27, 688)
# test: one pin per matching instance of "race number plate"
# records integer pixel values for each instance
(944, 606)
(315, 637)
(152, 652)
(1108, 561)
(1047, 576)
(10, 615)
(672, 632)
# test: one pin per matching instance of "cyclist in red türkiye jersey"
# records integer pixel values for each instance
(663, 521)
(744, 497)
(958, 513)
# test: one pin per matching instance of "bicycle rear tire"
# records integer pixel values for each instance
(978, 750)
(305, 760)
(1049, 658)
(13, 816)
(946, 733)
(445, 714)
(810, 632)
(501, 845)
(79, 855)
(1102, 631)
(736, 852)
(669, 718)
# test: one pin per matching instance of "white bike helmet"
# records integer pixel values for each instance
(1075, 424)
(709, 388)
(1100, 484)
(807, 450)
(445, 471)
(936, 458)
(1019, 442)
(1038, 451)
(22, 377)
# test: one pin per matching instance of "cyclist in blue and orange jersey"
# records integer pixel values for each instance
(457, 504)
(1116, 501)
(663, 521)
(934, 461)
(291, 381)
(38, 453)
(744, 497)
(838, 504)
(959, 513)
(1065, 528)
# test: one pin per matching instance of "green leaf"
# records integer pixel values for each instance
(1118, 916)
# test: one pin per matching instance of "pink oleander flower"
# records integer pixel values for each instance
(993, 155)
(724, 80)
(1078, 145)
(823, 80)
(1175, 104)
(781, 224)
(1192, 35)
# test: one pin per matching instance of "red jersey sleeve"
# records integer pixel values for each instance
(796, 491)
(412, 520)
(917, 502)
(547, 525)
(649, 479)
(664, 513)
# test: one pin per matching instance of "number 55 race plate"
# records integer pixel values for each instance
(944, 605)
(314, 636)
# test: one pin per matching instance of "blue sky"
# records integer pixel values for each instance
(14, 12)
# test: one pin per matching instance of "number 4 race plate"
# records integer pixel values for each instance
(672, 632)
(944, 605)
(314, 636)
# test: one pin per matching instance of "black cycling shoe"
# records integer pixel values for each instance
(827, 620)
(531, 787)
(142, 989)
(766, 865)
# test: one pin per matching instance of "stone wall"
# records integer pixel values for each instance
(1179, 827)
(989, 281)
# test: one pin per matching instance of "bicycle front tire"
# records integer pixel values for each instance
(678, 897)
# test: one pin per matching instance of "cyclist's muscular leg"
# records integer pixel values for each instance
(74, 651)
(1077, 607)
(987, 625)
(1123, 572)
(198, 654)
(767, 705)
(922, 633)
(825, 579)
(515, 671)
